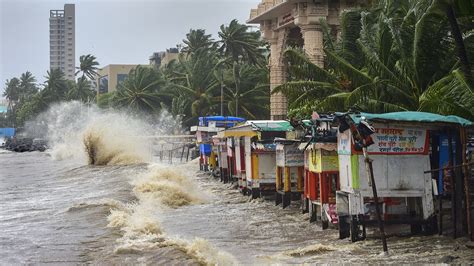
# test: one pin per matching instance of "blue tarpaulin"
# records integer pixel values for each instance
(221, 121)
(205, 149)
(7, 132)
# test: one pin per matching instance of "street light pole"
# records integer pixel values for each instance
(222, 94)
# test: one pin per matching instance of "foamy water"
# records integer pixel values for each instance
(122, 208)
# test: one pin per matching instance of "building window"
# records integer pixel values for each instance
(104, 84)
(121, 78)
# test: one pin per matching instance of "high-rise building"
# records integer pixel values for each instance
(62, 38)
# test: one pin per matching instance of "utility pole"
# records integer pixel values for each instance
(222, 94)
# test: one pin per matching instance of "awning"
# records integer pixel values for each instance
(269, 125)
(409, 116)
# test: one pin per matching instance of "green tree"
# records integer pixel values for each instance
(140, 91)
(56, 86)
(88, 66)
(253, 95)
(403, 51)
(12, 92)
(193, 86)
(81, 91)
(27, 85)
(237, 46)
(238, 43)
(196, 41)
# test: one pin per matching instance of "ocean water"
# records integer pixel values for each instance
(99, 196)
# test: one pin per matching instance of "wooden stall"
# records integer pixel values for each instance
(207, 127)
(252, 154)
(400, 160)
(289, 171)
(321, 170)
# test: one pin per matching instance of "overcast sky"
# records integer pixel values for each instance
(116, 32)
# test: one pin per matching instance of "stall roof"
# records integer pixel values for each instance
(413, 117)
(250, 128)
(271, 125)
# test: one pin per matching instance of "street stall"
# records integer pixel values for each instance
(289, 171)
(321, 170)
(219, 146)
(207, 127)
(251, 150)
(386, 170)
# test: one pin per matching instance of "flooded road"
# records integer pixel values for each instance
(66, 212)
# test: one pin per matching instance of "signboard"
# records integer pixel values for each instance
(390, 140)
(344, 142)
(399, 141)
(290, 156)
(323, 161)
(285, 19)
(203, 137)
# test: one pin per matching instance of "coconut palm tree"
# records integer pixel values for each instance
(56, 85)
(27, 85)
(88, 66)
(403, 51)
(196, 41)
(252, 97)
(12, 92)
(193, 86)
(238, 43)
(140, 91)
(81, 91)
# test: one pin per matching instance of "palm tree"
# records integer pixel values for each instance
(248, 92)
(12, 92)
(403, 51)
(27, 85)
(238, 43)
(197, 41)
(88, 66)
(140, 91)
(193, 86)
(81, 91)
(56, 86)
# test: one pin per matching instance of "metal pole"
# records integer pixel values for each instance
(453, 188)
(187, 153)
(466, 182)
(370, 170)
(182, 153)
(222, 94)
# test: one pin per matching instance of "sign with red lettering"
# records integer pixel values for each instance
(399, 141)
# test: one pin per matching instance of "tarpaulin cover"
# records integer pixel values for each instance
(220, 120)
(7, 132)
(413, 117)
(205, 149)
(272, 125)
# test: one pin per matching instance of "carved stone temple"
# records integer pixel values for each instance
(286, 23)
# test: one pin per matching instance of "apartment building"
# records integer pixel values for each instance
(62, 40)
